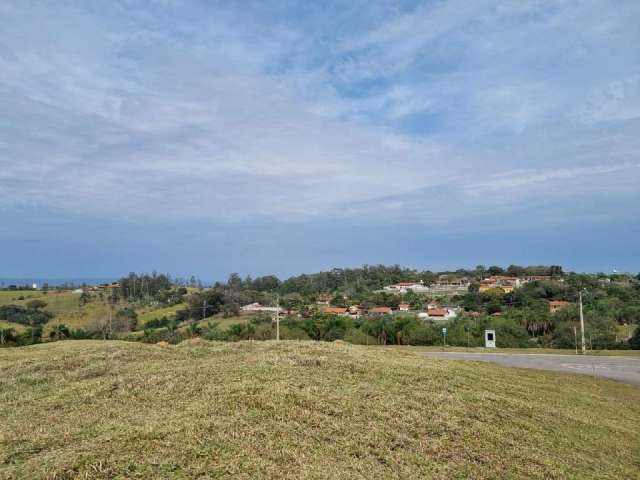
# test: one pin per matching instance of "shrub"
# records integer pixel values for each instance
(288, 333)
(358, 337)
(634, 341)
(158, 323)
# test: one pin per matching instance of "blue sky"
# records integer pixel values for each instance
(209, 137)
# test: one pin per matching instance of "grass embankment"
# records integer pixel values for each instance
(88, 409)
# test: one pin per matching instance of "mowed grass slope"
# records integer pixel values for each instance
(102, 410)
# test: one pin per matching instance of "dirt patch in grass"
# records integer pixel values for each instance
(102, 410)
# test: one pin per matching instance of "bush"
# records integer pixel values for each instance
(358, 337)
(25, 316)
(288, 333)
(634, 341)
(158, 323)
(423, 334)
(264, 331)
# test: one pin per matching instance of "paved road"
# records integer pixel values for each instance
(624, 369)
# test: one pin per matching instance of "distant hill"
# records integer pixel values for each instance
(54, 282)
(101, 410)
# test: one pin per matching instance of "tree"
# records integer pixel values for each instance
(495, 270)
(194, 330)
(36, 305)
(85, 298)
(7, 335)
(59, 332)
(515, 270)
(172, 327)
(555, 270)
(634, 341)
(268, 283)
(125, 320)
(31, 336)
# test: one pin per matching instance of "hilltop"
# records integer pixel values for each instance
(527, 307)
(99, 410)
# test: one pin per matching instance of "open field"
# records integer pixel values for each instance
(14, 297)
(101, 410)
(147, 314)
(67, 309)
(225, 322)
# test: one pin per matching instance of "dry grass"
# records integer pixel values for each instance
(103, 410)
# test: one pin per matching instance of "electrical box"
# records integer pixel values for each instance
(490, 339)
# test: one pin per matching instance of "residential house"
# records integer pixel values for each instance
(441, 313)
(404, 287)
(324, 299)
(505, 283)
(555, 305)
(380, 311)
(256, 307)
(450, 285)
(334, 310)
(404, 307)
(542, 278)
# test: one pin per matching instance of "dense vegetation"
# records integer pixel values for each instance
(522, 317)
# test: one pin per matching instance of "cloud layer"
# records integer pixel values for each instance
(431, 113)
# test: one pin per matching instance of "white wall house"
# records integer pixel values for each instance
(256, 307)
(404, 287)
(441, 313)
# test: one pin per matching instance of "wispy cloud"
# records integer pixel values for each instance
(174, 112)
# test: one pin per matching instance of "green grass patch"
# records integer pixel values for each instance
(146, 314)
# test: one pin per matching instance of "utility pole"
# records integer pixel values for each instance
(584, 347)
(278, 317)
(575, 338)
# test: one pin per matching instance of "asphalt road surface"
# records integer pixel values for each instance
(624, 369)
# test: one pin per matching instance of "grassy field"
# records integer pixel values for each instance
(67, 309)
(147, 314)
(225, 322)
(14, 297)
(103, 410)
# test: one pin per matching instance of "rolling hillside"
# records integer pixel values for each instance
(102, 410)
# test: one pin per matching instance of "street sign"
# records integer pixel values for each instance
(444, 331)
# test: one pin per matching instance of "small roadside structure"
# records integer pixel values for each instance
(490, 339)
